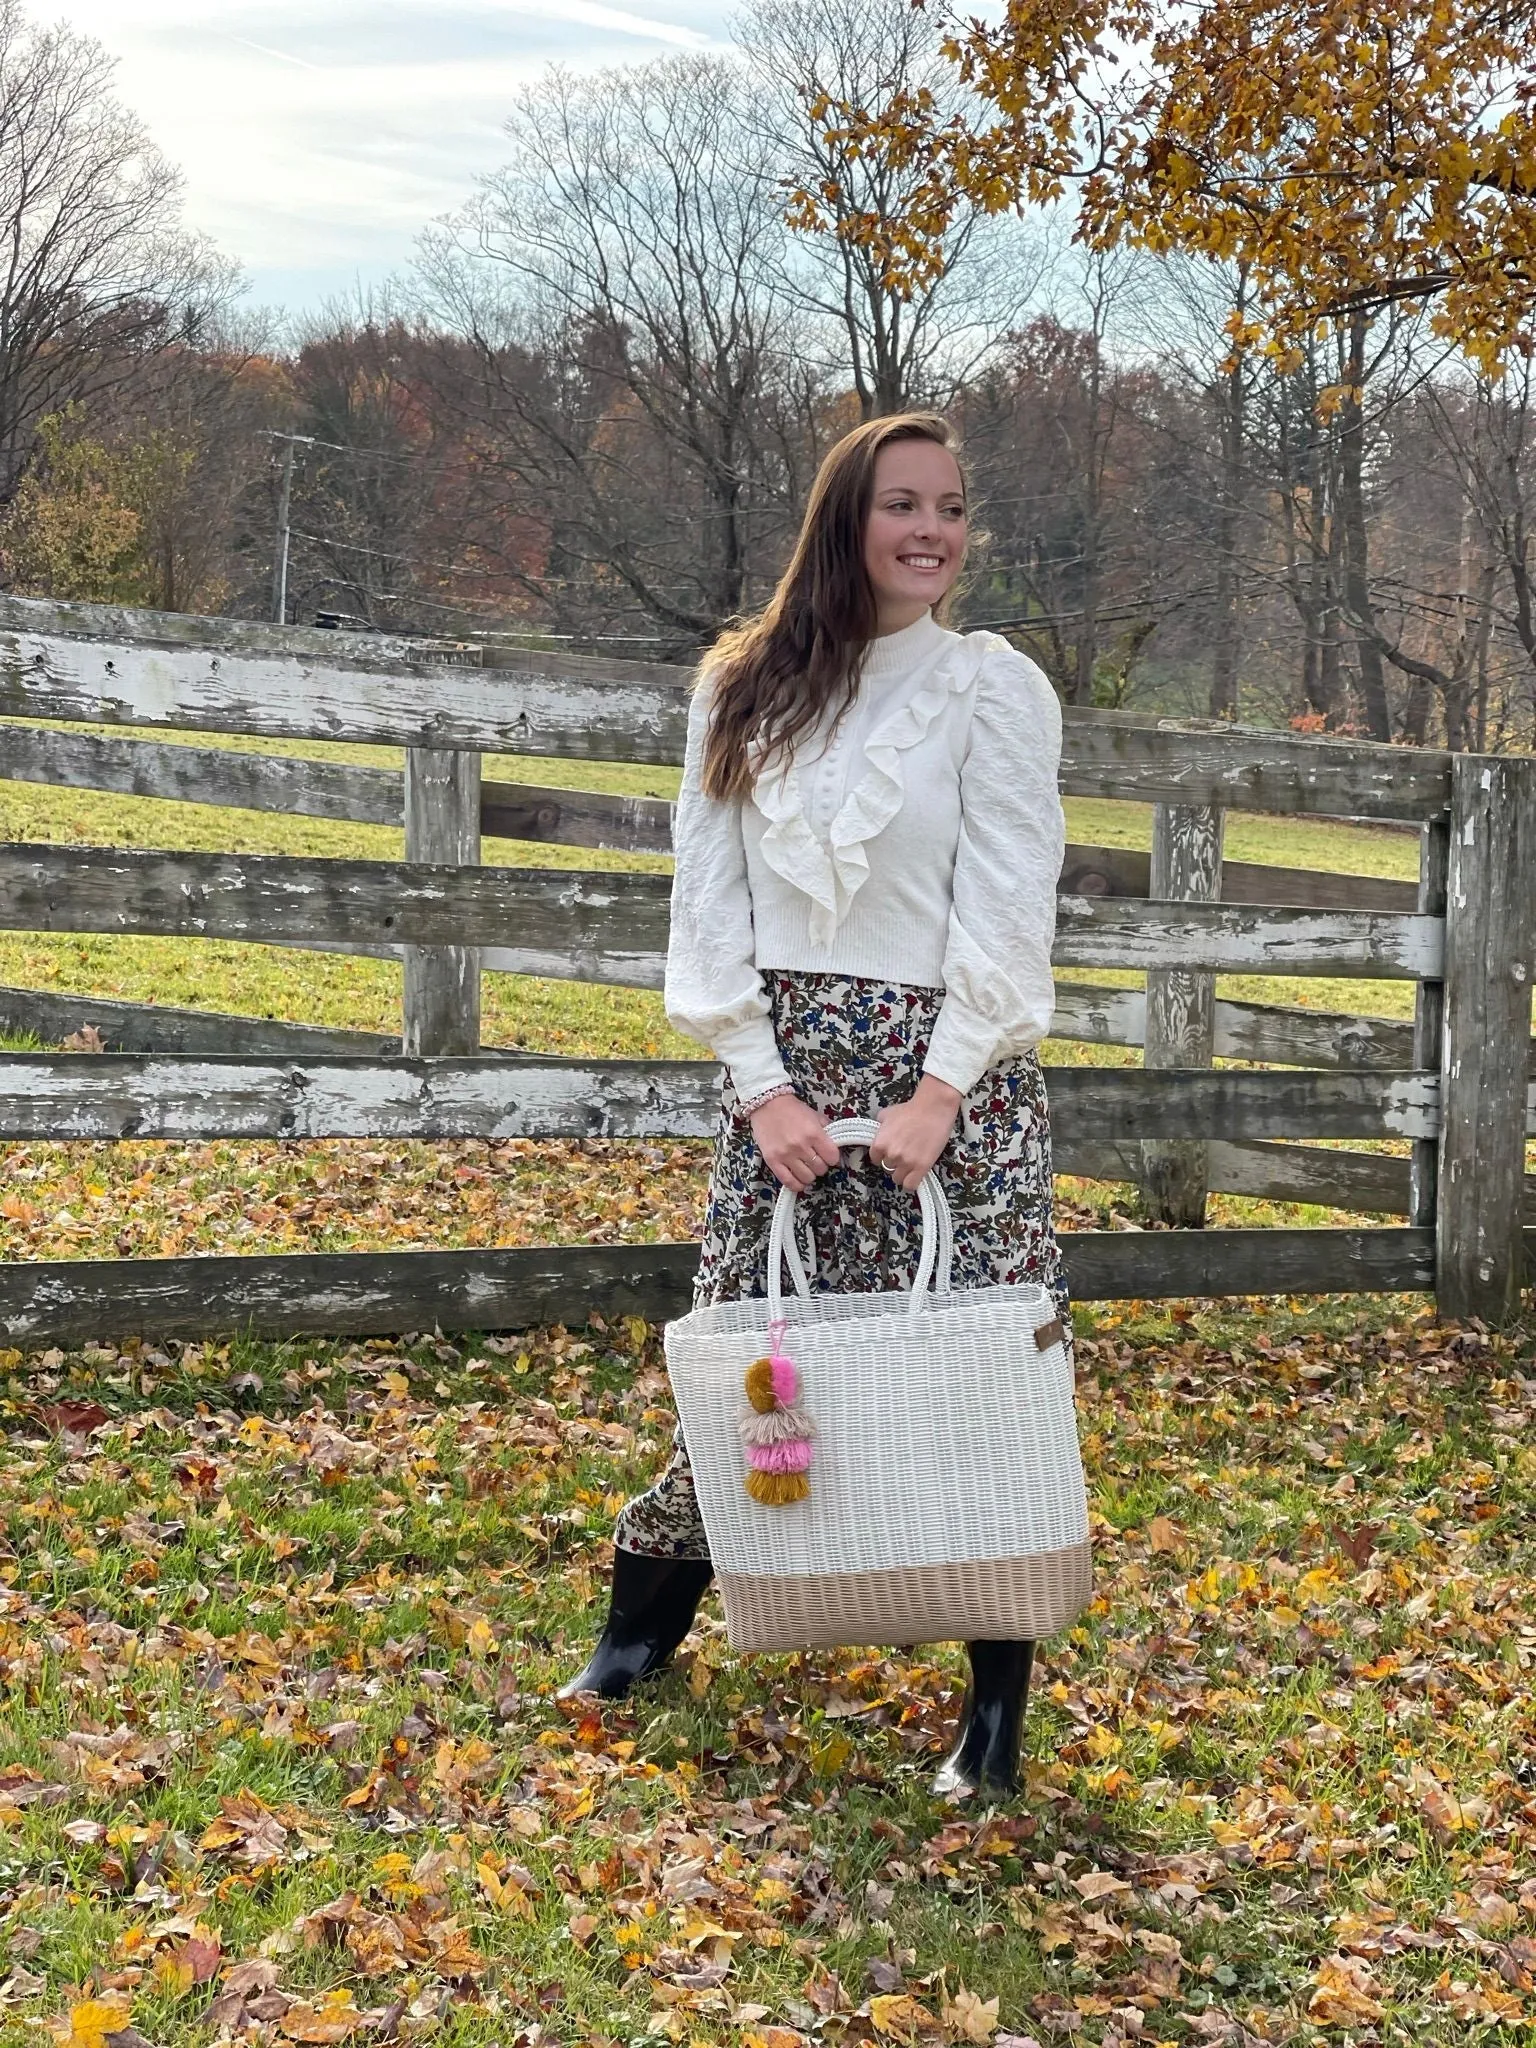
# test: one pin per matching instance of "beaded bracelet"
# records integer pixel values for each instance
(754, 1103)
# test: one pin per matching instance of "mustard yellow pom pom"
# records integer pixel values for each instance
(778, 1489)
(760, 1386)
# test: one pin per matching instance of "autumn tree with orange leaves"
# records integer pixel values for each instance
(1348, 154)
(1343, 156)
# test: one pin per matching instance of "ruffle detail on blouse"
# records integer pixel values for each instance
(833, 871)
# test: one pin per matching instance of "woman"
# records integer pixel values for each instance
(868, 840)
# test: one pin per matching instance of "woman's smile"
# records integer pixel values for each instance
(914, 542)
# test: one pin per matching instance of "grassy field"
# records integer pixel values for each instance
(279, 1756)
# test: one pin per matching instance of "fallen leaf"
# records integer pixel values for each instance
(899, 2017)
(1485, 2001)
(700, 1676)
(72, 1418)
(1099, 1884)
(195, 1962)
(88, 2024)
(1346, 1993)
(967, 2017)
(257, 1974)
(333, 2019)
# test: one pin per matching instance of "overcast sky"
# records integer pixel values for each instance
(318, 136)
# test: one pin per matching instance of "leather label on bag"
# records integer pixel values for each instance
(1048, 1334)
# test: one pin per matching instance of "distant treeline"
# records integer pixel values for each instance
(593, 408)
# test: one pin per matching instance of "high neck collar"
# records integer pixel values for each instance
(894, 654)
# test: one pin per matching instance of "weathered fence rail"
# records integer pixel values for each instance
(1465, 935)
(602, 925)
(295, 786)
(148, 1095)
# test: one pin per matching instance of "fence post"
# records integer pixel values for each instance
(1429, 1018)
(1181, 1004)
(1490, 953)
(442, 827)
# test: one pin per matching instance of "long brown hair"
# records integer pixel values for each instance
(772, 678)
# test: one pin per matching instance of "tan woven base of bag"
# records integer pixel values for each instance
(1014, 1599)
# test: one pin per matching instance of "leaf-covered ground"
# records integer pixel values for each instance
(280, 1626)
(279, 1755)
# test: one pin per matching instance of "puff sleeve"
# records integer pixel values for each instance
(714, 992)
(999, 992)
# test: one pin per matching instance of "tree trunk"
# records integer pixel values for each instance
(1328, 569)
(1228, 626)
(1092, 567)
(1416, 711)
(1357, 585)
(1304, 504)
(1088, 627)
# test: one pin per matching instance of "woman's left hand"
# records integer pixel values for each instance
(913, 1134)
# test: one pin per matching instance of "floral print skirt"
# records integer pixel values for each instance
(853, 1046)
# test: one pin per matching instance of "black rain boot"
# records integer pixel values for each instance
(985, 1757)
(651, 1610)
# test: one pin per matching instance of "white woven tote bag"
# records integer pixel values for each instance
(946, 1497)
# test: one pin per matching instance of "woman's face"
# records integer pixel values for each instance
(914, 542)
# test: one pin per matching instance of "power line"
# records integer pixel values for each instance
(339, 447)
(354, 547)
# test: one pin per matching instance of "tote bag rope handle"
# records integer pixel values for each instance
(934, 1260)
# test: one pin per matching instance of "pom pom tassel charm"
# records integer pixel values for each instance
(776, 1434)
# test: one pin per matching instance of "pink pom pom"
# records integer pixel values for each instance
(786, 1381)
(794, 1456)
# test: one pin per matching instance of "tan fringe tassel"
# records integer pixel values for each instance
(784, 1425)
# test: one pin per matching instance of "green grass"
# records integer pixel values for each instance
(541, 1015)
(326, 1591)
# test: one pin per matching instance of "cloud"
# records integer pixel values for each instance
(317, 140)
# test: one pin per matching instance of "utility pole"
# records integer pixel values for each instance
(280, 545)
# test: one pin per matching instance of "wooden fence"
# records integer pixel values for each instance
(1456, 1082)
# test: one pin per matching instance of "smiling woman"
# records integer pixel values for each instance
(867, 842)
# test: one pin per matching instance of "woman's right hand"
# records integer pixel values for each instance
(792, 1137)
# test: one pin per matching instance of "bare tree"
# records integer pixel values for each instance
(1503, 476)
(641, 386)
(95, 268)
(901, 345)
(1455, 545)
(1193, 327)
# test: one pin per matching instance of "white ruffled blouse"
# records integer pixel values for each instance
(919, 842)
